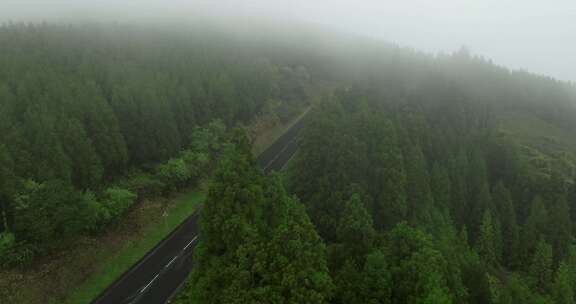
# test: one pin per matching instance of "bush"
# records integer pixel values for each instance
(145, 185)
(116, 202)
(197, 162)
(92, 212)
(17, 254)
(174, 173)
(7, 241)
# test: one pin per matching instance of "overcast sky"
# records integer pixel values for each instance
(536, 35)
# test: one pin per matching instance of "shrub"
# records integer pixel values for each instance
(174, 173)
(145, 185)
(7, 241)
(116, 202)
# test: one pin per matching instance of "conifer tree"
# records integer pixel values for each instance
(564, 288)
(258, 244)
(487, 242)
(541, 268)
(419, 197)
(355, 229)
(459, 194)
(534, 227)
(391, 206)
(507, 218)
(560, 228)
(441, 187)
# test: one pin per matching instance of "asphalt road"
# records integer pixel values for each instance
(159, 274)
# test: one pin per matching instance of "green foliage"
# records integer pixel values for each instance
(446, 143)
(535, 226)
(144, 185)
(487, 243)
(258, 244)
(541, 268)
(418, 269)
(355, 230)
(371, 284)
(7, 242)
(560, 228)
(510, 229)
(381, 145)
(564, 289)
(376, 282)
(174, 173)
(115, 202)
(78, 113)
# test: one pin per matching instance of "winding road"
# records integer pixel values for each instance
(159, 274)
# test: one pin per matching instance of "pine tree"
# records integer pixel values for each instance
(507, 218)
(460, 203)
(355, 229)
(291, 266)
(418, 270)
(534, 227)
(486, 244)
(258, 244)
(441, 187)
(392, 206)
(482, 203)
(376, 284)
(564, 289)
(541, 267)
(420, 199)
(347, 283)
(560, 227)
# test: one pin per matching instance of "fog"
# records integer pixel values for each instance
(535, 35)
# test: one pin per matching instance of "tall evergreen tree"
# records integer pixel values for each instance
(258, 244)
(560, 228)
(507, 218)
(391, 203)
(419, 197)
(541, 269)
(564, 289)
(487, 242)
(534, 227)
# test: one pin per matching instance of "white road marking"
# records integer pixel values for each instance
(167, 265)
(171, 261)
(148, 285)
(192, 241)
(279, 153)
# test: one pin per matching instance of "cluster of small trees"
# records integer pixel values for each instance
(47, 214)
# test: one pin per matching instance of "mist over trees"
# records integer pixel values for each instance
(97, 117)
(419, 178)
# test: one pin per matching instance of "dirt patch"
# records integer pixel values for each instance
(51, 277)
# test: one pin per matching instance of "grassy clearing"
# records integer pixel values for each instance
(184, 205)
(80, 273)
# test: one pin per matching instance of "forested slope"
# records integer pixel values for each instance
(420, 178)
(88, 113)
(430, 179)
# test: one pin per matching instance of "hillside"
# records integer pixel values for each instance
(419, 178)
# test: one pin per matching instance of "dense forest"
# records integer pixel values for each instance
(441, 179)
(419, 178)
(95, 118)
